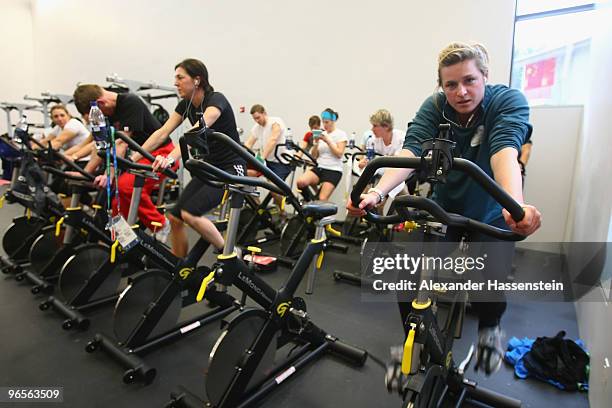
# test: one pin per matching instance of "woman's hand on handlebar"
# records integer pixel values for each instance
(367, 201)
(162, 163)
(528, 225)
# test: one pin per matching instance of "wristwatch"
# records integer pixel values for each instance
(381, 195)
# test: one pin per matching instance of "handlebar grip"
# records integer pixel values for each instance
(134, 146)
(62, 173)
(278, 184)
(221, 175)
(73, 165)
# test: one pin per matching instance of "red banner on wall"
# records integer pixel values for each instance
(540, 74)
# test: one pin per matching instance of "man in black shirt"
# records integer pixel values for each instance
(127, 113)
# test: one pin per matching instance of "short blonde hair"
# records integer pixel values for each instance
(457, 52)
(382, 117)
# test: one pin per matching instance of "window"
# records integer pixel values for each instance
(552, 40)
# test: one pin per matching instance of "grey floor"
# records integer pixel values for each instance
(35, 351)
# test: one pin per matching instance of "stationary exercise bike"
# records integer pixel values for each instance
(242, 368)
(42, 207)
(90, 277)
(428, 376)
(58, 242)
(146, 314)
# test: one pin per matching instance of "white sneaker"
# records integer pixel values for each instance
(162, 234)
(490, 350)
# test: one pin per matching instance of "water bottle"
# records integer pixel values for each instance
(98, 126)
(351, 142)
(21, 130)
(370, 148)
(289, 138)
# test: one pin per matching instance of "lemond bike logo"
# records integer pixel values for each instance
(282, 308)
(249, 282)
(185, 272)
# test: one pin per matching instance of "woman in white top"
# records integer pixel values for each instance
(328, 150)
(387, 141)
(67, 132)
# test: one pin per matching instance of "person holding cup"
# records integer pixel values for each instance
(328, 148)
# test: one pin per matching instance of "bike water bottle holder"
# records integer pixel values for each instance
(440, 151)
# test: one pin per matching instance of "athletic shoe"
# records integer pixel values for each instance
(490, 351)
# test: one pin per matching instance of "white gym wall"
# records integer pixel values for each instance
(17, 69)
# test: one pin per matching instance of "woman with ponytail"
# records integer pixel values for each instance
(198, 97)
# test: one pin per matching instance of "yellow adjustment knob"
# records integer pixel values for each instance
(58, 227)
(407, 356)
(28, 213)
(113, 254)
(410, 226)
(204, 285)
(283, 202)
(254, 249)
(332, 231)
(225, 195)
(96, 207)
(73, 209)
(320, 259)
(61, 195)
(1, 201)
(156, 225)
(135, 226)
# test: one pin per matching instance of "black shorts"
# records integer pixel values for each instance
(198, 198)
(281, 170)
(331, 176)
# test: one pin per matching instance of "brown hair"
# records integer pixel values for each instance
(196, 68)
(59, 106)
(257, 108)
(313, 121)
(84, 95)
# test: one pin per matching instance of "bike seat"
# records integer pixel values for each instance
(319, 209)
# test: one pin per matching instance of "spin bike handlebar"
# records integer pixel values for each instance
(85, 176)
(431, 207)
(70, 163)
(135, 146)
(198, 139)
(286, 157)
(62, 173)
(128, 164)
